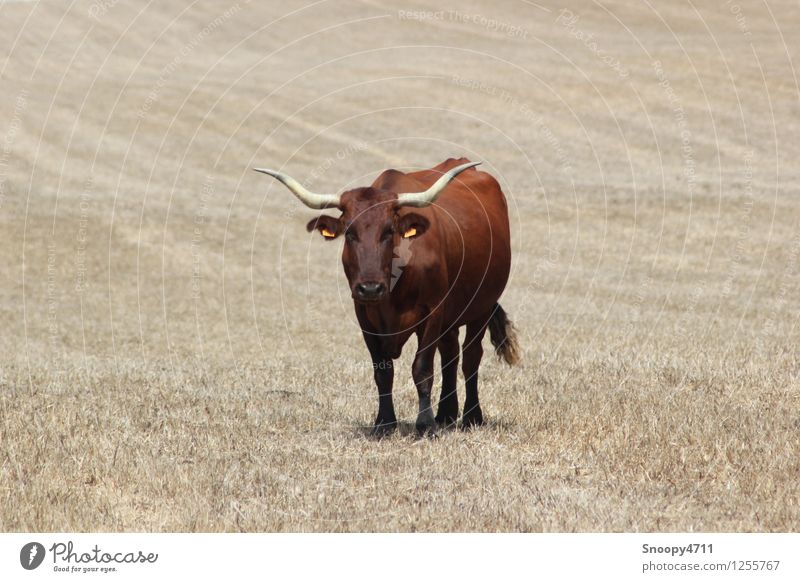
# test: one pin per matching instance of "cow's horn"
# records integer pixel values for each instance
(420, 199)
(310, 199)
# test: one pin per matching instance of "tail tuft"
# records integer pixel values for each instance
(503, 336)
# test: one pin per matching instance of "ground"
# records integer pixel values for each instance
(179, 354)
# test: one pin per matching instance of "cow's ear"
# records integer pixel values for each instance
(412, 225)
(328, 226)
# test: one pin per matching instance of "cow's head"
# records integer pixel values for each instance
(374, 223)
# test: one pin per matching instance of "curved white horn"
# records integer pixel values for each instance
(316, 201)
(429, 196)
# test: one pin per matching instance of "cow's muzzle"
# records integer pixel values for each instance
(369, 292)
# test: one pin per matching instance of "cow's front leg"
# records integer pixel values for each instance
(383, 372)
(386, 421)
(423, 378)
(422, 371)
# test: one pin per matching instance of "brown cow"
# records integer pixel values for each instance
(424, 254)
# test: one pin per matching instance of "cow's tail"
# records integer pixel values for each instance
(503, 336)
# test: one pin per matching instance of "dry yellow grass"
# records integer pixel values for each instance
(178, 354)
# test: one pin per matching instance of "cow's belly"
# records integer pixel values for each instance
(478, 260)
(467, 302)
(476, 285)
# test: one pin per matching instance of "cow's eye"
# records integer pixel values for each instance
(350, 236)
(410, 232)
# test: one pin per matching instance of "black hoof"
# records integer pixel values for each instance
(446, 420)
(383, 429)
(473, 417)
(427, 430)
(426, 424)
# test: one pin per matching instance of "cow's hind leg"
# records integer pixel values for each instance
(473, 352)
(448, 401)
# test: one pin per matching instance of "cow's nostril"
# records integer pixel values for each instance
(370, 290)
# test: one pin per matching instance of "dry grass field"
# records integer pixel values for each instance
(178, 354)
